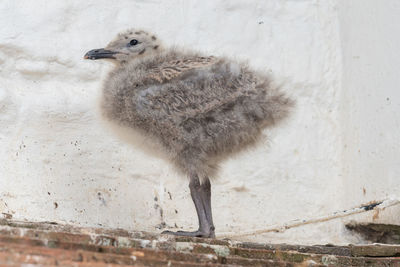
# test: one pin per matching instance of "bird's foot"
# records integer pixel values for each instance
(197, 233)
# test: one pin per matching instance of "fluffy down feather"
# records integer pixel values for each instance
(198, 109)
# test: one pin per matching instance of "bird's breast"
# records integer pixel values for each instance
(138, 139)
(118, 118)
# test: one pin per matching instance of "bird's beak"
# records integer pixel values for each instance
(99, 53)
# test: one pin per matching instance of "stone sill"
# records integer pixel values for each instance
(52, 244)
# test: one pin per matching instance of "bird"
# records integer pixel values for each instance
(195, 109)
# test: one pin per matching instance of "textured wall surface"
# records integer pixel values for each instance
(371, 99)
(59, 162)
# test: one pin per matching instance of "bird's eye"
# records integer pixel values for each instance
(133, 42)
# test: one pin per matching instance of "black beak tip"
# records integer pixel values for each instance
(89, 55)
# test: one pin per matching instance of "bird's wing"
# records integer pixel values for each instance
(175, 68)
(188, 98)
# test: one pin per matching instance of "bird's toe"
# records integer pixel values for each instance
(187, 233)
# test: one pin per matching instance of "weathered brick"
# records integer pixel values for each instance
(379, 250)
(50, 244)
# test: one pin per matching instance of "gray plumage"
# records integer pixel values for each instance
(198, 109)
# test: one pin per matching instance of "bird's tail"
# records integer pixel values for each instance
(278, 105)
(271, 106)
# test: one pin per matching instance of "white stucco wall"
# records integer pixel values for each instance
(370, 101)
(59, 163)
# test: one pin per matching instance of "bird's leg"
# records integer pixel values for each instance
(201, 196)
(206, 199)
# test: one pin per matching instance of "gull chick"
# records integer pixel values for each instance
(196, 109)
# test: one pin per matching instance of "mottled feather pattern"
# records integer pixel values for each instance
(199, 109)
(175, 68)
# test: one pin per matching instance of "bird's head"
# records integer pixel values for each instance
(128, 44)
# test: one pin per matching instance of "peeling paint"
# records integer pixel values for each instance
(184, 246)
(222, 251)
